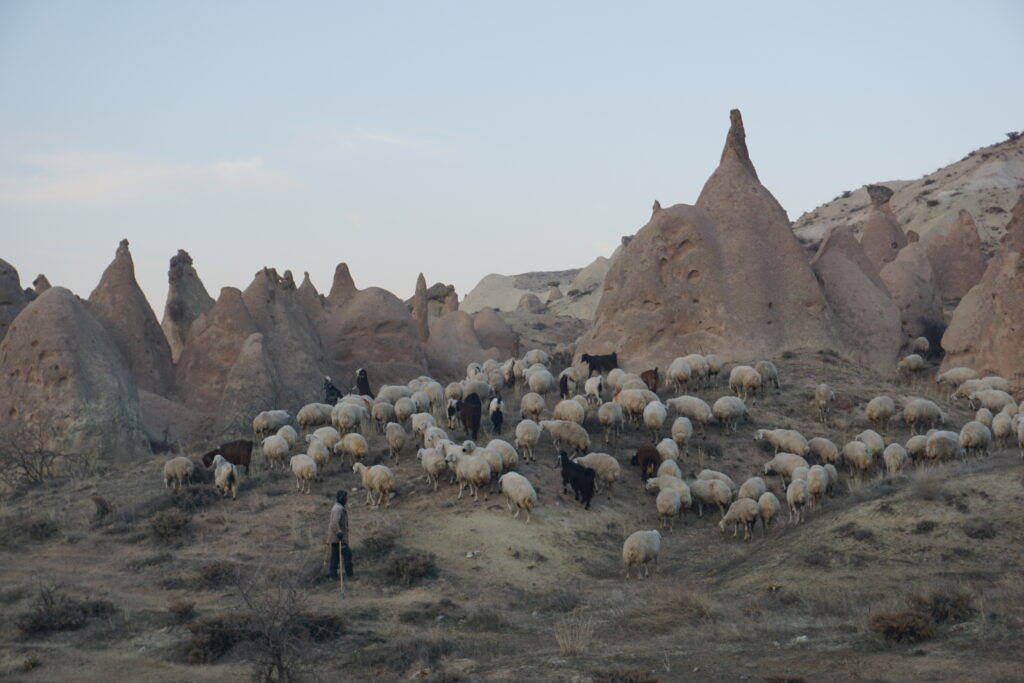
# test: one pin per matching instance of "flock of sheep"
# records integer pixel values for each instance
(425, 411)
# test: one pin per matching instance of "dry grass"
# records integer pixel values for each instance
(573, 633)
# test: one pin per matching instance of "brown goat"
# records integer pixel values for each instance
(650, 378)
(235, 452)
(648, 458)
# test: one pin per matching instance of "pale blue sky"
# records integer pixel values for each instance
(457, 138)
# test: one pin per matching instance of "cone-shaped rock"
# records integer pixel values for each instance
(453, 344)
(249, 388)
(62, 373)
(187, 299)
(987, 326)
(12, 297)
(883, 237)
(491, 330)
(420, 314)
(311, 300)
(774, 292)
(956, 258)
(911, 285)
(119, 304)
(451, 302)
(554, 293)
(40, 284)
(342, 287)
(530, 303)
(665, 293)
(859, 300)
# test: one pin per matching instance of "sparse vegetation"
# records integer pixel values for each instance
(53, 611)
(408, 568)
(170, 526)
(573, 632)
(622, 676)
(905, 626)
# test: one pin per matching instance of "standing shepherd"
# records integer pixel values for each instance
(331, 393)
(337, 535)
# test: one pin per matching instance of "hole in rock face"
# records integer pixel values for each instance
(693, 274)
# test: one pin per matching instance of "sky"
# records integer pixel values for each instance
(457, 138)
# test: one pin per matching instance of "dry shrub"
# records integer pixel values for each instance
(980, 529)
(905, 626)
(182, 611)
(194, 498)
(213, 636)
(54, 611)
(573, 633)
(409, 568)
(217, 574)
(401, 653)
(170, 526)
(925, 526)
(928, 485)
(104, 509)
(485, 620)
(559, 600)
(622, 676)
(943, 605)
(379, 543)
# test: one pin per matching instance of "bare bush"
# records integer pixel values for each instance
(573, 632)
(905, 626)
(28, 457)
(54, 611)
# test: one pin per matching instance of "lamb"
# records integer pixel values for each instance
(269, 421)
(353, 445)
(783, 464)
(641, 548)
(710, 492)
(313, 415)
(379, 482)
(879, 411)
(894, 456)
(225, 477)
(678, 374)
(565, 433)
(682, 430)
(527, 436)
(975, 438)
(693, 408)
(470, 470)
(633, 403)
(797, 496)
(920, 345)
(824, 450)
(531, 406)
(743, 511)
(304, 469)
(984, 416)
(943, 445)
(872, 440)
(654, 417)
(669, 468)
(993, 399)
(921, 411)
(752, 488)
(275, 449)
(858, 456)
(767, 507)
(916, 446)
(382, 413)
(823, 398)
(519, 492)
(316, 450)
(1002, 428)
(669, 504)
(605, 467)
(909, 365)
(729, 410)
(743, 380)
(647, 458)
(582, 479)
(433, 464)
(784, 440)
(610, 417)
(507, 453)
(395, 435)
(569, 410)
(178, 471)
(769, 375)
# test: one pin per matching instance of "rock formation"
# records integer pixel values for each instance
(187, 299)
(312, 301)
(64, 377)
(249, 387)
(453, 344)
(773, 291)
(530, 303)
(12, 297)
(987, 326)
(342, 287)
(492, 331)
(956, 258)
(883, 237)
(420, 312)
(119, 305)
(451, 302)
(911, 285)
(859, 300)
(554, 293)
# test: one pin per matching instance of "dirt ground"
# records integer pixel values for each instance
(457, 590)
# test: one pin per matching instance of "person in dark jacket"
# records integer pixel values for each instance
(331, 393)
(337, 535)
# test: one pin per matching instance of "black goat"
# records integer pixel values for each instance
(331, 392)
(470, 411)
(563, 386)
(600, 364)
(497, 420)
(582, 479)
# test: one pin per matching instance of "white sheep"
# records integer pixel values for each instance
(269, 421)
(519, 493)
(669, 468)
(984, 416)
(610, 417)
(783, 464)
(527, 437)
(507, 452)
(482, 389)
(289, 434)
(536, 356)
(823, 398)
(470, 470)
(531, 406)
(632, 381)
(225, 476)
(304, 469)
(693, 408)
(178, 471)
(641, 548)
(894, 456)
(797, 496)
(714, 367)
(605, 467)
(453, 391)
(593, 388)
(667, 481)
(998, 383)
(353, 445)
(879, 411)
(916, 446)
(382, 413)
(392, 392)
(669, 504)
(744, 380)
(921, 411)
(752, 488)
(682, 432)
(743, 511)
(678, 374)
(613, 379)
(720, 476)
(824, 450)
(968, 387)
(667, 449)
(633, 403)
(833, 479)
(433, 436)
(801, 473)
(872, 440)
(993, 399)
(784, 440)
(943, 445)
(1002, 428)
(768, 507)
(328, 436)
(857, 455)
(729, 410)
(569, 410)
(975, 438)
(420, 423)
(567, 434)
(710, 492)
(275, 449)
(956, 376)
(348, 417)
(493, 459)
(920, 345)
(769, 375)
(700, 370)
(313, 415)
(394, 434)
(320, 454)
(541, 381)
(910, 364)
(818, 483)
(379, 482)
(654, 417)
(433, 463)
(404, 408)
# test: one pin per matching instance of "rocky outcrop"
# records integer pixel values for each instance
(12, 296)
(987, 326)
(773, 291)
(530, 303)
(956, 258)
(249, 387)
(119, 305)
(66, 382)
(883, 237)
(187, 299)
(911, 285)
(453, 344)
(420, 312)
(311, 300)
(554, 293)
(492, 331)
(859, 300)
(451, 302)
(342, 287)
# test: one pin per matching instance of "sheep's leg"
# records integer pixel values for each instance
(462, 485)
